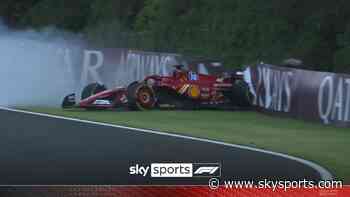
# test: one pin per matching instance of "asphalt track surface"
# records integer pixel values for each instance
(37, 150)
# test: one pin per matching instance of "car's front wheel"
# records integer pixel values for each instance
(92, 89)
(141, 97)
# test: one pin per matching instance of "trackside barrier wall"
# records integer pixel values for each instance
(302, 94)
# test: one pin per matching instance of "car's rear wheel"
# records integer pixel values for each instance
(240, 95)
(141, 97)
(92, 89)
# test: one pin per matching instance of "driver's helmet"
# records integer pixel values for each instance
(179, 70)
(179, 67)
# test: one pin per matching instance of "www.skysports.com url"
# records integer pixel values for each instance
(215, 183)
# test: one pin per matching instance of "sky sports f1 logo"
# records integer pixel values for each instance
(177, 170)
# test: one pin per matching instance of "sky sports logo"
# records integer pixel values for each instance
(177, 170)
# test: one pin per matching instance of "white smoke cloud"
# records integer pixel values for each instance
(32, 67)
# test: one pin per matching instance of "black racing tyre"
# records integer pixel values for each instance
(92, 89)
(132, 99)
(141, 97)
(241, 95)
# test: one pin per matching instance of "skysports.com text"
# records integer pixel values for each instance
(214, 183)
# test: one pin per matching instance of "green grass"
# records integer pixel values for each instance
(325, 145)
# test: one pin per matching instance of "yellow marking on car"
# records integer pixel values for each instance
(194, 91)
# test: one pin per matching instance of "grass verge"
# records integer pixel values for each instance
(325, 145)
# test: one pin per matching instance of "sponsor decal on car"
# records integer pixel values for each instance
(102, 102)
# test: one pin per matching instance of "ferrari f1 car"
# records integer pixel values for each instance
(184, 89)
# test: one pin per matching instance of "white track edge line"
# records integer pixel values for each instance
(324, 174)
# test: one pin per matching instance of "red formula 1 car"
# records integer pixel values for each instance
(185, 89)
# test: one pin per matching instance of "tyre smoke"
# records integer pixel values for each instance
(33, 71)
